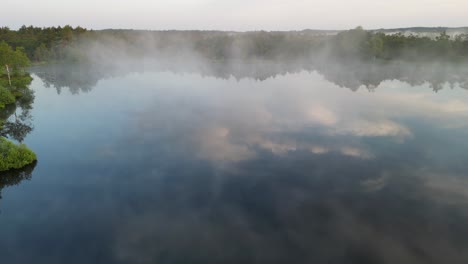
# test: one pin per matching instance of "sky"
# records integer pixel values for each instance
(238, 15)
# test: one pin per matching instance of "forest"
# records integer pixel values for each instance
(60, 44)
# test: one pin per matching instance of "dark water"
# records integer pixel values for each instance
(163, 167)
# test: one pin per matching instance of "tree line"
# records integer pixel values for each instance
(41, 44)
(68, 44)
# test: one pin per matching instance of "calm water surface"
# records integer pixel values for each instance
(163, 167)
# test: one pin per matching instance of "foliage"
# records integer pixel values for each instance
(17, 94)
(41, 44)
(14, 156)
(15, 59)
(6, 97)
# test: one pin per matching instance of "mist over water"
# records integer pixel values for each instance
(173, 157)
(344, 59)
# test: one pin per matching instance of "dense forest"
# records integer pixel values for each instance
(79, 44)
(41, 44)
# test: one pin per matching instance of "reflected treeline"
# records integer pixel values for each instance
(76, 77)
(16, 118)
(351, 74)
(368, 75)
(15, 177)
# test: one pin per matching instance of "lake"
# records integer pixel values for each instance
(280, 166)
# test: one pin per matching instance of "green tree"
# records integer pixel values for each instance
(376, 46)
(443, 44)
(13, 61)
(351, 43)
(41, 53)
(6, 97)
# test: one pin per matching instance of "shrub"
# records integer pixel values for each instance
(14, 156)
(6, 97)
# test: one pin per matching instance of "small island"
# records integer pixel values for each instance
(15, 156)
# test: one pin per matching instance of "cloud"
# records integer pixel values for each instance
(321, 115)
(214, 144)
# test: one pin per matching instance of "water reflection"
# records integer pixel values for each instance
(15, 177)
(185, 168)
(301, 208)
(353, 75)
(16, 119)
(76, 77)
(16, 124)
(260, 174)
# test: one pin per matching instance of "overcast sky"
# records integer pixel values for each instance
(238, 15)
